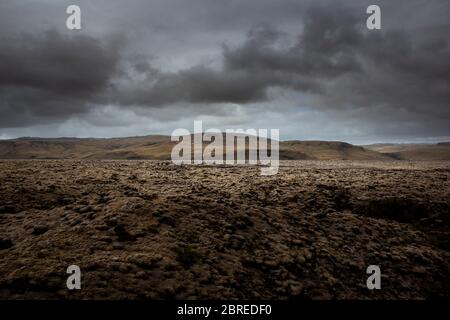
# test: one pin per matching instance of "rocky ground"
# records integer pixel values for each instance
(153, 230)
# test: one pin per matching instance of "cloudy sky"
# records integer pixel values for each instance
(310, 68)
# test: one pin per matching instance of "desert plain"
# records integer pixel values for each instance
(141, 229)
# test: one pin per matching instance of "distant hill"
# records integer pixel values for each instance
(147, 147)
(326, 150)
(439, 151)
(159, 147)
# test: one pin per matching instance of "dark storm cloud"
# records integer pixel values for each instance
(52, 75)
(334, 57)
(197, 85)
(247, 72)
(205, 53)
(77, 65)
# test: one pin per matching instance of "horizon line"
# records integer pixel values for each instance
(435, 142)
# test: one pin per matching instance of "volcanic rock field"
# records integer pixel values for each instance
(154, 230)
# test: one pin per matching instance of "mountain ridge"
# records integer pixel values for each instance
(158, 147)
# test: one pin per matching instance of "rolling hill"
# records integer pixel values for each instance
(158, 147)
(147, 147)
(438, 151)
(326, 150)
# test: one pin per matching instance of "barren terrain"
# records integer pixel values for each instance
(153, 230)
(154, 147)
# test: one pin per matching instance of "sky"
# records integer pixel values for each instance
(311, 69)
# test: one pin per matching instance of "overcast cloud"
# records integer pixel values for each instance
(310, 68)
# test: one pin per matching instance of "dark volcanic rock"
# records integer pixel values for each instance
(8, 209)
(153, 230)
(38, 230)
(5, 244)
(123, 234)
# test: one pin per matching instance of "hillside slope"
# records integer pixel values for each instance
(327, 150)
(160, 147)
(147, 147)
(439, 151)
